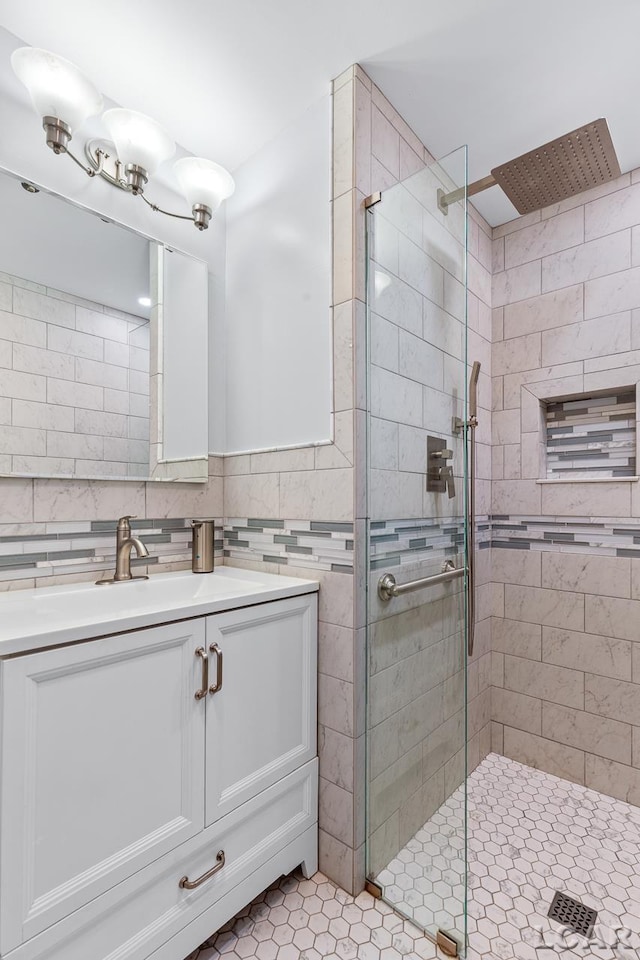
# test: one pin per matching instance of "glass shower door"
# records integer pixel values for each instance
(416, 529)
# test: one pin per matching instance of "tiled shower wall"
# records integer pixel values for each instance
(566, 557)
(74, 385)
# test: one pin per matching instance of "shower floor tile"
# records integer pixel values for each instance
(298, 919)
(530, 834)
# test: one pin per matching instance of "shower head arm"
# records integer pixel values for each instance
(446, 199)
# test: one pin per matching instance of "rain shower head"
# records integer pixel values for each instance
(573, 163)
(562, 168)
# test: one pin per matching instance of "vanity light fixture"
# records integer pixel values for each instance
(65, 99)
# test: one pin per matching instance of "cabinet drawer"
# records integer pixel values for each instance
(261, 719)
(138, 916)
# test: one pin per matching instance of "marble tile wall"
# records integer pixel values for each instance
(74, 385)
(566, 314)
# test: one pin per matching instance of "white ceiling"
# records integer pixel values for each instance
(225, 76)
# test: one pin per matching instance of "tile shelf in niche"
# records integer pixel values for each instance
(561, 480)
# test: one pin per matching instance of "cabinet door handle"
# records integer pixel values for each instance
(186, 884)
(215, 687)
(202, 653)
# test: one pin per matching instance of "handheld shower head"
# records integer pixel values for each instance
(473, 389)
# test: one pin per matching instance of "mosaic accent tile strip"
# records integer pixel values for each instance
(604, 536)
(315, 544)
(37, 550)
(394, 543)
(592, 437)
(298, 919)
(530, 835)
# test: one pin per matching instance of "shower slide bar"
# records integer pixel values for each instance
(388, 588)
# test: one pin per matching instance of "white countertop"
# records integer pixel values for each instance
(49, 616)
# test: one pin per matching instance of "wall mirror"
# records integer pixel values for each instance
(103, 346)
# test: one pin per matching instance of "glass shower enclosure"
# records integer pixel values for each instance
(419, 439)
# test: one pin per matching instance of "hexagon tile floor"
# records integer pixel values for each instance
(530, 834)
(298, 919)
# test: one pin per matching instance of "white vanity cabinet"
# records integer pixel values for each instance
(137, 817)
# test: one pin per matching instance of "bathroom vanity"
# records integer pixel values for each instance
(158, 760)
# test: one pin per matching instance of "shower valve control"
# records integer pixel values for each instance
(439, 473)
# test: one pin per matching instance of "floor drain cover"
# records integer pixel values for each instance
(571, 913)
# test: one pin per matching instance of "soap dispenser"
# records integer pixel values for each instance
(202, 545)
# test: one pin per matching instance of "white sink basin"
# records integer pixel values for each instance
(34, 618)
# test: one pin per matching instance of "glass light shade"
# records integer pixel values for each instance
(139, 139)
(203, 181)
(57, 87)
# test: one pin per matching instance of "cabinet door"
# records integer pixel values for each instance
(261, 723)
(102, 768)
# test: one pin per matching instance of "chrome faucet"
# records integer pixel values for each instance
(125, 543)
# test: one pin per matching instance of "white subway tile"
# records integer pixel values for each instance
(616, 699)
(517, 354)
(74, 445)
(598, 735)
(385, 142)
(586, 499)
(545, 681)
(116, 353)
(518, 283)
(616, 211)
(23, 330)
(613, 293)
(101, 424)
(42, 416)
(74, 343)
(612, 617)
(419, 360)
(28, 303)
(420, 271)
(90, 500)
(587, 261)
(601, 773)
(43, 362)
(605, 656)
(516, 496)
(23, 386)
(590, 338)
(130, 451)
(118, 401)
(22, 440)
(555, 758)
(102, 325)
(544, 238)
(515, 637)
(516, 709)
(68, 393)
(544, 312)
(552, 608)
(609, 576)
(101, 374)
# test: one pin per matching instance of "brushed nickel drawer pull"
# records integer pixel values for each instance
(186, 884)
(202, 653)
(215, 687)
